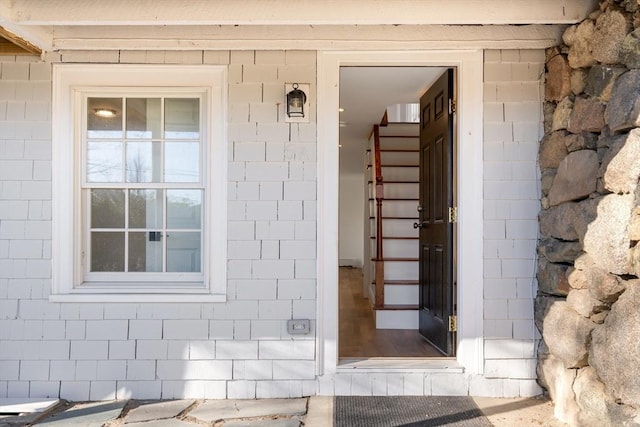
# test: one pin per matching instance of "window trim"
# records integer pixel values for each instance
(69, 82)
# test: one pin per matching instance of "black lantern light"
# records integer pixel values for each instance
(295, 102)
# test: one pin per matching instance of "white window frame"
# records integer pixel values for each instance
(70, 83)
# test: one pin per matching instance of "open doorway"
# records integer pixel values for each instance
(382, 179)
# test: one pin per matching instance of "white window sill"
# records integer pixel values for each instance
(430, 365)
(138, 295)
(122, 298)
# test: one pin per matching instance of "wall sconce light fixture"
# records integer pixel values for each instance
(297, 102)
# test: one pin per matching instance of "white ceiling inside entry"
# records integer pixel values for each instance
(365, 93)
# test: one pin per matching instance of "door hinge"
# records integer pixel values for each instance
(452, 106)
(453, 215)
(453, 323)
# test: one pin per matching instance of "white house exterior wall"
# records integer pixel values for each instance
(513, 95)
(241, 348)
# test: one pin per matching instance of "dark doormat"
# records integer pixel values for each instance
(407, 411)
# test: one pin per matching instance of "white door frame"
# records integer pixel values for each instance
(469, 64)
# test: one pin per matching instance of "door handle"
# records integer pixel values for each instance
(421, 224)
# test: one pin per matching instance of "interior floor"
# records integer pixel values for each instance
(358, 336)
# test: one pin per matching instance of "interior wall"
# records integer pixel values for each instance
(351, 227)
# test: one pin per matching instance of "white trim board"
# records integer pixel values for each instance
(469, 64)
(278, 12)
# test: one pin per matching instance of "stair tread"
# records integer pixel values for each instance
(396, 182)
(398, 307)
(396, 198)
(397, 165)
(396, 217)
(396, 237)
(397, 150)
(399, 136)
(399, 282)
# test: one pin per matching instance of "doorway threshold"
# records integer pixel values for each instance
(408, 364)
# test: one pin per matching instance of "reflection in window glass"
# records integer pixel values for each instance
(143, 118)
(143, 161)
(182, 162)
(155, 145)
(182, 118)
(104, 161)
(145, 208)
(184, 208)
(107, 251)
(104, 117)
(145, 251)
(183, 252)
(107, 208)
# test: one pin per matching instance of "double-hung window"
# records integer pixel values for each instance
(139, 183)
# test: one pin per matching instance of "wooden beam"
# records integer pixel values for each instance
(8, 48)
(281, 12)
(10, 44)
(333, 37)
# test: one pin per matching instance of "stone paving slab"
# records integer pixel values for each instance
(19, 412)
(85, 414)
(171, 422)
(156, 410)
(214, 410)
(319, 411)
(282, 422)
(18, 420)
(26, 405)
(501, 413)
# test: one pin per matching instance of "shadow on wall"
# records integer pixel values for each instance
(588, 303)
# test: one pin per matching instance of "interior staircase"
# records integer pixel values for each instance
(393, 190)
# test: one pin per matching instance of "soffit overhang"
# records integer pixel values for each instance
(276, 24)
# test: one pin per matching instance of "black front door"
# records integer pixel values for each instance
(436, 226)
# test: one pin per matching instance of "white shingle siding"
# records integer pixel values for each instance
(156, 350)
(512, 129)
(241, 348)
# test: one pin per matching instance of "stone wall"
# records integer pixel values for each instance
(588, 303)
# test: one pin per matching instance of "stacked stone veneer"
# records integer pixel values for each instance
(588, 304)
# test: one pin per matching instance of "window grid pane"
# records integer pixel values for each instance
(154, 232)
